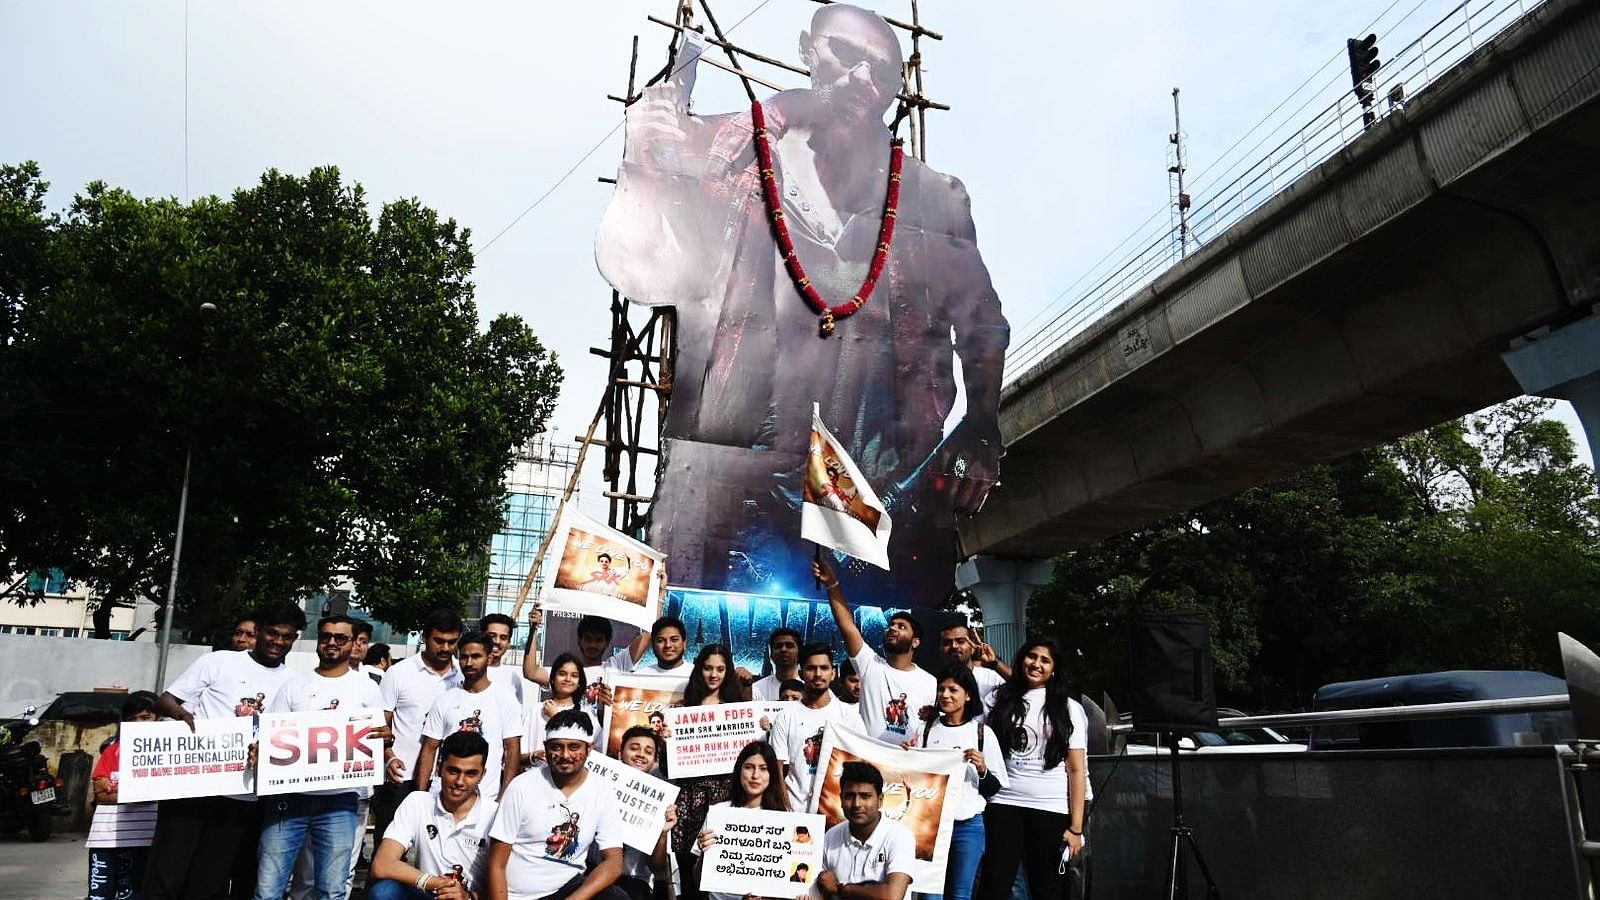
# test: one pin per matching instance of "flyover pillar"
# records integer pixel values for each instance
(1003, 587)
(1565, 364)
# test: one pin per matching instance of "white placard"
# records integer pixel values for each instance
(761, 852)
(320, 750)
(642, 798)
(706, 740)
(598, 570)
(166, 761)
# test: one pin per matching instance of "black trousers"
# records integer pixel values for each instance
(197, 841)
(610, 893)
(1031, 838)
(386, 798)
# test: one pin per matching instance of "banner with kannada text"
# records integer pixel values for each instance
(762, 852)
(921, 790)
(166, 761)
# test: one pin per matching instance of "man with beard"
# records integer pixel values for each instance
(866, 851)
(325, 821)
(783, 648)
(962, 648)
(893, 686)
(202, 842)
(549, 818)
(687, 226)
(796, 735)
(476, 706)
(409, 689)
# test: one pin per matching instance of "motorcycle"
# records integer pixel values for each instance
(27, 789)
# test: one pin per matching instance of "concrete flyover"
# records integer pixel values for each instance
(1370, 299)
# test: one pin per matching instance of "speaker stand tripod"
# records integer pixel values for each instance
(1183, 836)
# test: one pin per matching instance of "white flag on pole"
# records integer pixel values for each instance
(840, 510)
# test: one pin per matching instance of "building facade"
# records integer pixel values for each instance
(533, 491)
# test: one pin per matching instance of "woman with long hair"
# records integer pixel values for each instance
(756, 785)
(712, 679)
(566, 690)
(1038, 815)
(959, 726)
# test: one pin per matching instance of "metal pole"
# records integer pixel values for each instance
(172, 584)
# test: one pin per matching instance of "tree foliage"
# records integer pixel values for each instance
(345, 413)
(1468, 545)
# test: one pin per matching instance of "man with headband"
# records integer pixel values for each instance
(549, 818)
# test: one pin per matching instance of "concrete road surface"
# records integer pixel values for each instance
(55, 870)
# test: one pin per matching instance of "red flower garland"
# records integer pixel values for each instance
(780, 229)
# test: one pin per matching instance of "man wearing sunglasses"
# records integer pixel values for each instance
(329, 821)
(688, 226)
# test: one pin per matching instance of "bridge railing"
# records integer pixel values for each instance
(1239, 185)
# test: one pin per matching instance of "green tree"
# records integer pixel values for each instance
(1464, 546)
(345, 413)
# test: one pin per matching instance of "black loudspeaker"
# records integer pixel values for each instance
(1170, 673)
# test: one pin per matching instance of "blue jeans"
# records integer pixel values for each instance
(394, 890)
(961, 868)
(291, 820)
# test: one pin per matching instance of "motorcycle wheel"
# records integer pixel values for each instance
(39, 823)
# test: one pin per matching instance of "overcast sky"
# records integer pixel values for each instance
(1058, 126)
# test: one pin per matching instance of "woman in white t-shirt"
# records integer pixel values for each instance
(756, 785)
(567, 687)
(1038, 816)
(960, 726)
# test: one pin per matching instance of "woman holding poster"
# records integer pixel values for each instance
(712, 680)
(1037, 819)
(959, 726)
(568, 686)
(756, 785)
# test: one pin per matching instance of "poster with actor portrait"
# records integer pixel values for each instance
(921, 790)
(601, 571)
(641, 700)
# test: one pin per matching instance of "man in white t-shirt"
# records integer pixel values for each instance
(895, 691)
(203, 842)
(477, 706)
(324, 819)
(549, 818)
(961, 648)
(449, 831)
(669, 640)
(500, 628)
(409, 688)
(796, 733)
(865, 849)
(783, 648)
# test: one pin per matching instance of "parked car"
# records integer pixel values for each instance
(1499, 730)
(1227, 740)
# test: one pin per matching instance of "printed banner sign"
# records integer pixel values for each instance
(705, 740)
(166, 761)
(319, 750)
(642, 799)
(601, 571)
(921, 790)
(640, 700)
(761, 852)
(841, 510)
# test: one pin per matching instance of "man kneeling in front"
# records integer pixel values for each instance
(548, 819)
(866, 856)
(449, 829)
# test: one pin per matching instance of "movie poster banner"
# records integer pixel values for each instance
(705, 740)
(167, 761)
(642, 798)
(921, 790)
(761, 852)
(640, 700)
(601, 571)
(319, 750)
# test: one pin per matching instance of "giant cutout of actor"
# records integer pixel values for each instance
(687, 226)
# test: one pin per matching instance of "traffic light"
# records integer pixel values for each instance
(1364, 70)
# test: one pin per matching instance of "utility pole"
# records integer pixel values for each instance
(1175, 172)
